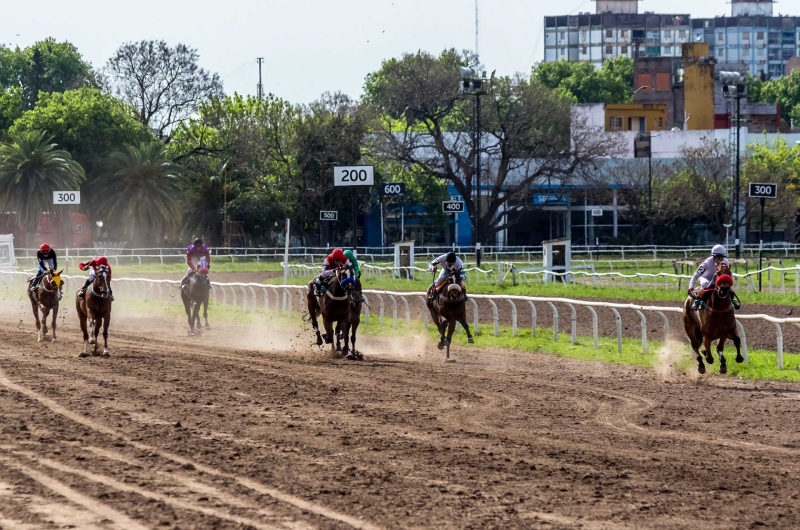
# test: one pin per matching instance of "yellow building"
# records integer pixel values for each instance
(640, 117)
(698, 86)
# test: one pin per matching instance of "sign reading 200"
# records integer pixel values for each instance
(353, 176)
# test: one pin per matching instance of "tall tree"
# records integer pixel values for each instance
(779, 163)
(582, 82)
(165, 85)
(528, 137)
(141, 192)
(782, 90)
(31, 169)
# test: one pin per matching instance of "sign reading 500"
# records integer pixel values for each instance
(353, 176)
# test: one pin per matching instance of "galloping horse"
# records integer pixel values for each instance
(194, 294)
(45, 299)
(95, 306)
(448, 308)
(335, 308)
(715, 320)
(356, 300)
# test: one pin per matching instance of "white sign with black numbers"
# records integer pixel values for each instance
(353, 176)
(597, 212)
(328, 216)
(66, 197)
(763, 191)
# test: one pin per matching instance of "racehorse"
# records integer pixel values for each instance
(715, 320)
(356, 300)
(447, 309)
(45, 299)
(194, 294)
(95, 307)
(335, 309)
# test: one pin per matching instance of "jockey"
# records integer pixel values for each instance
(704, 275)
(335, 259)
(451, 265)
(93, 265)
(47, 260)
(197, 257)
(352, 257)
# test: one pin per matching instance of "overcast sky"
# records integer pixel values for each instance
(309, 46)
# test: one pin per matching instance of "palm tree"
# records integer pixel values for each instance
(142, 188)
(31, 169)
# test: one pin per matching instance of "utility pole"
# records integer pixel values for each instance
(734, 86)
(260, 89)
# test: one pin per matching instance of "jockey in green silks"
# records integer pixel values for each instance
(352, 257)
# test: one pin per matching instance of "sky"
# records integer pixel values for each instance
(309, 46)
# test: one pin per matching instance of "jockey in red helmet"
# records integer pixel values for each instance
(47, 261)
(93, 265)
(334, 260)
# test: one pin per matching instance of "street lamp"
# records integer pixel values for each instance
(472, 85)
(727, 230)
(734, 87)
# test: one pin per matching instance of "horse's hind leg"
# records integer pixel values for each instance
(312, 313)
(466, 329)
(346, 336)
(442, 331)
(45, 314)
(707, 350)
(451, 328)
(353, 328)
(53, 323)
(205, 312)
(723, 364)
(35, 308)
(84, 328)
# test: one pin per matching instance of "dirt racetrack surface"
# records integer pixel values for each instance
(251, 427)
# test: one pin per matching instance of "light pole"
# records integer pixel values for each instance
(472, 85)
(734, 87)
(727, 230)
(225, 235)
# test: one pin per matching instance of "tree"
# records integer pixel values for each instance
(529, 139)
(783, 90)
(31, 169)
(582, 82)
(165, 85)
(46, 66)
(774, 162)
(141, 190)
(85, 122)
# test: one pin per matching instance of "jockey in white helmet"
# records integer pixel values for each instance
(704, 275)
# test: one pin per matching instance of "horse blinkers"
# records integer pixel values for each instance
(453, 291)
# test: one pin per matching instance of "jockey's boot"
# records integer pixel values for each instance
(697, 303)
(319, 286)
(82, 292)
(185, 279)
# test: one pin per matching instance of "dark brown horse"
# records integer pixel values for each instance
(448, 307)
(335, 309)
(194, 294)
(46, 299)
(356, 300)
(715, 320)
(95, 307)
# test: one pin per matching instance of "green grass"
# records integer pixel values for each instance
(762, 364)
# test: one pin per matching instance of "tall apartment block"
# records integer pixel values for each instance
(752, 36)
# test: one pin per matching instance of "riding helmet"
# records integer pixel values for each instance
(45, 248)
(451, 257)
(719, 250)
(198, 242)
(338, 255)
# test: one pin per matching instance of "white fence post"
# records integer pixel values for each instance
(619, 329)
(533, 318)
(594, 326)
(555, 321)
(644, 330)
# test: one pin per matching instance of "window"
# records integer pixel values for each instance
(682, 34)
(561, 51)
(760, 35)
(624, 33)
(624, 50)
(609, 49)
(661, 122)
(761, 52)
(667, 33)
(583, 35)
(720, 37)
(662, 82)
(616, 123)
(609, 33)
(561, 35)
(667, 50)
(583, 50)
(643, 80)
(745, 35)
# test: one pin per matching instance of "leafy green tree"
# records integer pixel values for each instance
(10, 108)
(786, 92)
(31, 169)
(85, 122)
(582, 82)
(141, 192)
(779, 163)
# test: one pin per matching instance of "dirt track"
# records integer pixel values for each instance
(250, 427)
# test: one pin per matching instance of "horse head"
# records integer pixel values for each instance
(202, 274)
(346, 278)
(723, 285)
(100, 283)
(54, 278)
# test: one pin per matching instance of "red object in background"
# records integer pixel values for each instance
(79, 235)
(722, 121)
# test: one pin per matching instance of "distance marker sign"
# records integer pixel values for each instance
(353, 176)
(66, 197)
(763, 191)
(328, 215)
(393, 189)
(452, 207)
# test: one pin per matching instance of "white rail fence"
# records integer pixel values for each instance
(279, 299)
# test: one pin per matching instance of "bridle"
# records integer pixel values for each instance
(102, 272)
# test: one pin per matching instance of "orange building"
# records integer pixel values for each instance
(640, 117)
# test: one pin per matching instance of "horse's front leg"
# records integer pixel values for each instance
(53, 323)
(106, 323)
(738, 343)
(45, 314)
(464, 325)
(196, 317)
(205, 312)
(346, 336)
(35, 307)
(707, 350)
(84, 328)
(312, 313)
(723, 364)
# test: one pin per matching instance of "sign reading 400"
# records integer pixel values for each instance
(66, 197)
(354, 176)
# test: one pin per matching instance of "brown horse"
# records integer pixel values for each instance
(356, 300)
(447, 309)
(95, 307)
(335, 309)
(46, 299)
(194, 294)
(715, 320)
